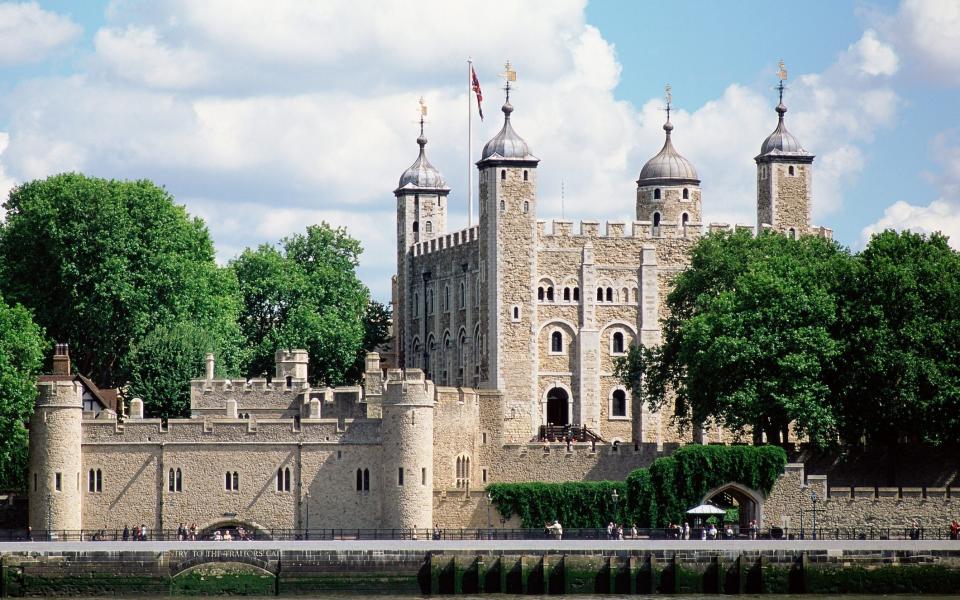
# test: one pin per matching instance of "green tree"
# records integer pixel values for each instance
(21, 355)
(748, 338)
(162, 364)
(103, 263)
(898, 375)
(376, 331)
(306, 294)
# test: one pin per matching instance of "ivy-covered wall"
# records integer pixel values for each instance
(650, 497)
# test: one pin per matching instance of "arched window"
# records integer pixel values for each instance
(790, 170)
(525, 175)
(366, 480)
(684, 219)
(280, 479)
(503, 174)
(503, 206)
(359, 480)
(793, 233)
(540, 294)
(430, 302)
(416, 227)
(550, 294)
(526, 207)
(516, 313)
(609, 294)
(446, 298)
(236, 481)
(556, 342)
(463, 295)
(576, 294)
(618, 404)
(617, 342)
(656, 194)
(686, 194)
(566, 294)
(599, 294)
(92, 481)
(179, 480)
(416, 304)
(429, 228)
(656, 219)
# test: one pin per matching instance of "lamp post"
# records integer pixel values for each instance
(615, 497)
(306, 504)
(489, 502)
(814, 499)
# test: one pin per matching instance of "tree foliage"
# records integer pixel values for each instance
(898, 376)
(305, 294)
(749, 337)
(162, 364)
(650, 497)
(103, 263)
(574, 504)
(376, 331)
(21, 354)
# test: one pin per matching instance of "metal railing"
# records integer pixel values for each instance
(313, 534)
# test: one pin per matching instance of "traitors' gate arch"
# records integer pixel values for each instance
(730, 495)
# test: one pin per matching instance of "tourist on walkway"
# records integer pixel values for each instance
(556, 530)
(713, 531)
(686, 530)
(954, 530)
(633, 531)
(126, 533)
(619, 532)
(610, 530)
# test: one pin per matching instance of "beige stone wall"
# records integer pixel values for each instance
(671, 204)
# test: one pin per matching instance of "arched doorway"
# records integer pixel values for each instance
(557, 401)
(747, 503)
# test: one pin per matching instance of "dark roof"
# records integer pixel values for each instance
(107, 398)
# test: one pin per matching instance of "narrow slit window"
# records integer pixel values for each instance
(423, 476)
(400, 476)
(366, 480)
(359, 480)
(58, 482)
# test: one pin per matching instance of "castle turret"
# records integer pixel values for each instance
(508, 207)
(291, 365)
(668, 189)
(407, 435)
(55, 458)
(784, 178)
(421, 216)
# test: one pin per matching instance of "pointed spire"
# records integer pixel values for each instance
(781, 142)
(668, 165)
(421, 173)
(507, 145)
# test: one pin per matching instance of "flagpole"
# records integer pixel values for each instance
(469, 143)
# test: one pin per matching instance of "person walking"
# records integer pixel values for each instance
(954, 530)
(633, 531)
(619, 532)
(610, 530)
(686, 530)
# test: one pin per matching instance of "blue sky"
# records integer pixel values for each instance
(264, 117)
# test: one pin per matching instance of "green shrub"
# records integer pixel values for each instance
(651, 497)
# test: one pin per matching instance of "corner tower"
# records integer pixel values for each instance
(784, 178)
(421, 216)
(668, 189)
(55, 449)
(508, 208)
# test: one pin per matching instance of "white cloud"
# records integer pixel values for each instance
(926, 33)
(6, 182)
(943, 214)
(262, 126)
(28, 33)
(139, 55)
(873, 56)
(939, 215)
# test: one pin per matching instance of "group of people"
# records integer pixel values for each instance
(615, 531)
(185, 533)
(136, 533)
(709, 531)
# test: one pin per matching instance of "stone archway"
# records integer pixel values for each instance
(736, 495)
(558, 407)
(254, 530)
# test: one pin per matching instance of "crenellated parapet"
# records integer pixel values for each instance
(450, 240)
(640, 230)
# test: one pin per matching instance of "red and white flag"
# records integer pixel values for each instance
(476, 90)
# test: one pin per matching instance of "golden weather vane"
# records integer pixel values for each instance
(782, 73)
(509, 74)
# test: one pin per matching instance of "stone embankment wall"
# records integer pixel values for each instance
(531, 568)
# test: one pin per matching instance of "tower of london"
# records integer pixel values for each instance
(506, 333)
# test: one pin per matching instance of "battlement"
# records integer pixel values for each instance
(823, 232)
(409, 386)
(450, 240)
(642, 230)
(66, 393)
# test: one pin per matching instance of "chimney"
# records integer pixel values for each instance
(61, 359)
(209, 366)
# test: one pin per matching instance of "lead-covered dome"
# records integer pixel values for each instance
(781, 142)
(668, 166)
(507, 145)
(421, 173)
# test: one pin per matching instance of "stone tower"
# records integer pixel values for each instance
(55, 458)
(668, 189)
(508, 207)
(784, 181)
(406, 432)
(421, 216)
